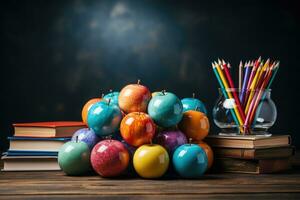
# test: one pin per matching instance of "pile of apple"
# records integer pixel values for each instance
(139, 130)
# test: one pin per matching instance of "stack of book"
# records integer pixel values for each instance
(251, 154)
(35, 146)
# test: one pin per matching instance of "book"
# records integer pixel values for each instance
(36, 144)
(48, 129)
(266, 153)
(30, 163)
(263, 166)
(248, 142)
(30, 153)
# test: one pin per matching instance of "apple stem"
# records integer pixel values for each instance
(77, 139)
(163, 92)
(139, 81)
(193, 95)
(190, 141)
(196, 108)
(108, 101)
(110, 90)
(102, 95)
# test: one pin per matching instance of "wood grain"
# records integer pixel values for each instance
(56, 185)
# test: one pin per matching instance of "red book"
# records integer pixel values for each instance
(48, 129)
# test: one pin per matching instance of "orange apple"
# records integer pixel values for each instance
(209, 152)
(137, 129)
(87, 107)
(194, 125)
(134, 98)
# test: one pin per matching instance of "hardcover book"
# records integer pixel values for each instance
(267, 153)
(36, 144)
(30, 163)
(48, 129)
(248, 142)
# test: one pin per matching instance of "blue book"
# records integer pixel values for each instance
(36, 144)
(30, 153)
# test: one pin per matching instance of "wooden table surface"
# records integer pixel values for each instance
(56, 185)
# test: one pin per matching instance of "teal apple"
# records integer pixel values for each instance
(190, 161)
(113, 96)
(74, 158)
(165, 108)
(104, 118)
(193, 104)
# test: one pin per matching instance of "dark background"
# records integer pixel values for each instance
(55, 55)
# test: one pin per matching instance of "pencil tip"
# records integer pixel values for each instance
(259, 59)
(219, 61)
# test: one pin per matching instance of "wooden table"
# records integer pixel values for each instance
(52, 185)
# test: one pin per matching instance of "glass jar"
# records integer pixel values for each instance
(263, 116)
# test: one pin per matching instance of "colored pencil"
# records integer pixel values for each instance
(220, 72)
(246, 78)
(235, 96)
(224, 93)
(240, 75)
(253, 71)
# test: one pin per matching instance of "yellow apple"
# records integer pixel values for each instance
(151, 161)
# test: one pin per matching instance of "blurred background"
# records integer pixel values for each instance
(55, 55)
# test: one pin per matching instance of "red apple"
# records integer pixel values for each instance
(137, 128)
(109, 158)
(134, 98)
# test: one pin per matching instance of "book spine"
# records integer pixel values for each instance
(234, 153)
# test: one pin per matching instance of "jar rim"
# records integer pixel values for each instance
(239, 90)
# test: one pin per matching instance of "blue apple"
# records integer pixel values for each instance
(86, 135)
(165, 109)
(104, 118)
(113, 96)
(193, 104)
(190, 161)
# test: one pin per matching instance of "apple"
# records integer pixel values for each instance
(86, 108)
(190, 161)
(74, 158)
(209, 153)
(165, 109)
(151, 161)
(104, 118)
(86, 135)
(170, 140)
(109, 158)
(137, 128)
(194, 124)
(113, 96)
(193, 104)
(134, 98)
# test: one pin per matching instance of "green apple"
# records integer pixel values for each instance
(74, 158)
